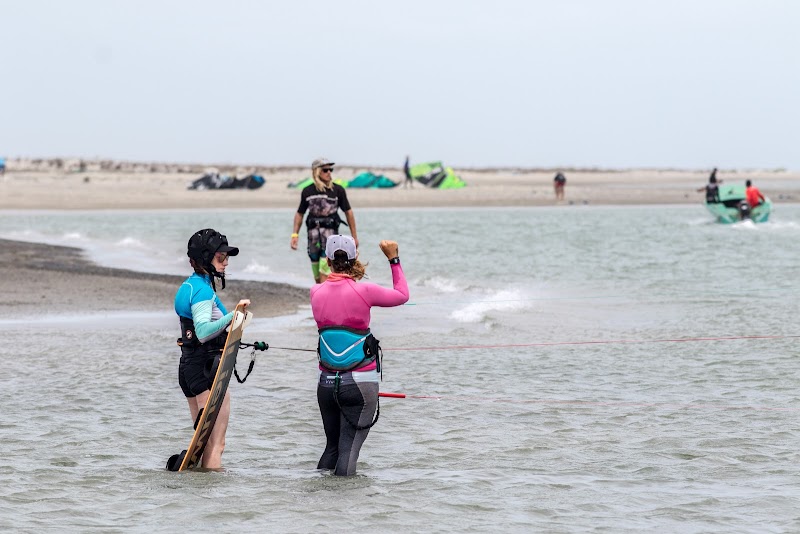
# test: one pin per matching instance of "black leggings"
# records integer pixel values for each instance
(358, 400)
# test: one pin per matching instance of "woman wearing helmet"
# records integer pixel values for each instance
(204, 320)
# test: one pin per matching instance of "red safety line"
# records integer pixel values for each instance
(602, 342)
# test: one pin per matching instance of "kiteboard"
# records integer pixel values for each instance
(205, 422)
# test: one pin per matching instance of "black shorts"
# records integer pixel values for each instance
(196, 370)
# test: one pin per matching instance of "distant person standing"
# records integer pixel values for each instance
(3, 166)
(712, 188)
(753, 195)
(322, 199)
(407, 171)
(558, 185)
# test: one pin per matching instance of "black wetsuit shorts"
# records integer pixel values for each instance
(197, 369)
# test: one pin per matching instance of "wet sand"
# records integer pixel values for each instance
(42, 279)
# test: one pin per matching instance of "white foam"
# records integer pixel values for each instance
(256, 268)
(131, 242)
(503, 300)
(746, 225)
(440, 283)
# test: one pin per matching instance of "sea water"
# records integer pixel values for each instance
(569, 369)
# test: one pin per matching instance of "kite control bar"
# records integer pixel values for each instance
(257, 345)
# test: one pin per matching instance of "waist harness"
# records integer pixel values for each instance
(189, 339)
(344, 349)
(332, 222)
(212, 349)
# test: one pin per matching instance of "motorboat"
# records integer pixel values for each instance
(733, 207)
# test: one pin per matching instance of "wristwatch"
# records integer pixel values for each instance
(395, 260)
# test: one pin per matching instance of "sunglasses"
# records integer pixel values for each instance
(327, 169)
(221, 256)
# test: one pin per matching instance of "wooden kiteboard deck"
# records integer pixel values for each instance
(219, 386)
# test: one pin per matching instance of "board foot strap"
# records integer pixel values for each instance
(175, 461)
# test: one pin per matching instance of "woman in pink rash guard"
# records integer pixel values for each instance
(347, 391)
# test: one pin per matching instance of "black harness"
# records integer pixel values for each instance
(330, 221)
(212, 349)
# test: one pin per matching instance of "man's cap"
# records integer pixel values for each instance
(340, 242)
(321, 162)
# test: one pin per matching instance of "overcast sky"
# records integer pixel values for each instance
(606, 83)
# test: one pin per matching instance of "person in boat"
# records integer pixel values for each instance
(349, 362)
(753, 195)
(203, 321)
(712, 188)
(323, 199)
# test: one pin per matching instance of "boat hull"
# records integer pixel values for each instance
(727, 211)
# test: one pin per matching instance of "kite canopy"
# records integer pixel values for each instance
(370, 180)
(214, 180)
(436, 176)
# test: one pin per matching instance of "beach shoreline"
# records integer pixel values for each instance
(99, 185)
(41, 279)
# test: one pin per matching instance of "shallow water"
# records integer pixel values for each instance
(580, 368)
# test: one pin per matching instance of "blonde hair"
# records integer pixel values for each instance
(318, 183)
(352, 268)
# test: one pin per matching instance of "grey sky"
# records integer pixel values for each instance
(620, 83)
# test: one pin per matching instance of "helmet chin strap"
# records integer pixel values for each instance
(216, 274)
(221, 276)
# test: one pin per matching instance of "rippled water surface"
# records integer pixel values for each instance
(569, 369)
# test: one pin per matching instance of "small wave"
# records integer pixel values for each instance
(70, 236)
(256, 268)
(771, 226)
(744, 225)
(504, 300)
(131, 242)
(439, 283)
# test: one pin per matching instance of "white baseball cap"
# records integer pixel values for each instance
(322, 162)
(340, 242)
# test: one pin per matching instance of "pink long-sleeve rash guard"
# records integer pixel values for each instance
(347, 303)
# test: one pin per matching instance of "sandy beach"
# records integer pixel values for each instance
(72, 185)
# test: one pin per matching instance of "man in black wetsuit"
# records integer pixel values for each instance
(323, 199)
(712, 188)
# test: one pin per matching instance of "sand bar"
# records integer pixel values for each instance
(41, 184)
(48, 279)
